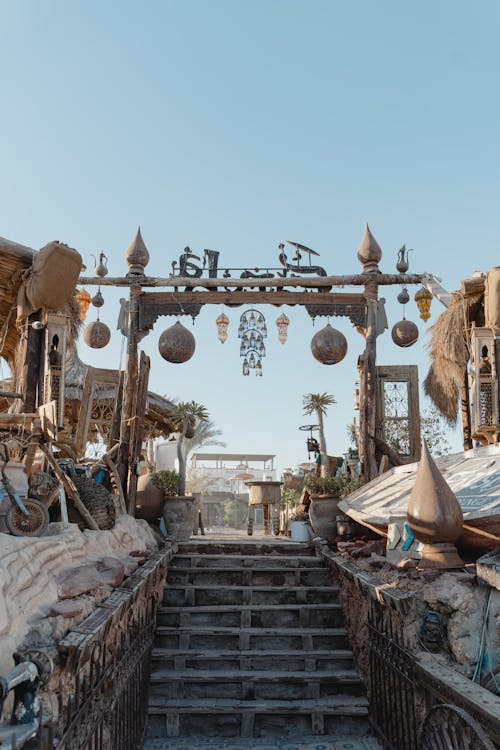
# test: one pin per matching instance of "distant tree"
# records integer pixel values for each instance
(205, 434)
(197, 480)
(433, 429)
(184, 413)
(318, 403)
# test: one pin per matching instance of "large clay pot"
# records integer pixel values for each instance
(179, 513)
(323, 516)
(150, 499)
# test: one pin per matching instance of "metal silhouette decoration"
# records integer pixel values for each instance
(252, 331)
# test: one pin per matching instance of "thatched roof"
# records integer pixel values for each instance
(14, 260)
(449, 354)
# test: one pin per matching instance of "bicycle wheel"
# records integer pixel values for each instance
(34, 524)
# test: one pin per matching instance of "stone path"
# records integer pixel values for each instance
(251, 652)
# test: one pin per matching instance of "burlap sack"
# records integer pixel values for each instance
(50, 281)
(492, 299)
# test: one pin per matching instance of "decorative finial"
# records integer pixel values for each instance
(435, 516)
(137, 255)
(369, 252)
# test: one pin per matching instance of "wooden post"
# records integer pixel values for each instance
(369, 255)
(465, 404)
(136, 430)
(370, 380)
(31, 368)
(130, 384)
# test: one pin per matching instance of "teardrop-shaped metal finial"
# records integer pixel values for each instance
(435, 516)
(137, 255)
(403, 296)
(369, 252)
(98, 299)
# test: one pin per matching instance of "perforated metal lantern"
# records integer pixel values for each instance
(423, 298)
(96, 335)
(222, 324)
(282, 322)
(84, 299)
(404, 333)
(329, 346)
(176, 344)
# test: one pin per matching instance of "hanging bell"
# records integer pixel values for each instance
(98, 299)
(101, 268)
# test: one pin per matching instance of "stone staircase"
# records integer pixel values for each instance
(250, 643)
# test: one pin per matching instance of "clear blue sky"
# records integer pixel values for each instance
(237, 125)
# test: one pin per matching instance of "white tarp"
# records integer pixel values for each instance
(474, 477)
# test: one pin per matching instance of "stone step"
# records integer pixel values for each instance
(193, 595)
(224, 717)
(246, 548)
(244, 561)
(327, 742)
(308, 661)
(241, 576)
(253, 684)
(235, 638)
(254, 616)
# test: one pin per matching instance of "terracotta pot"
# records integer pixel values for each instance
(323, 516)
(150, 499)
(179, 514)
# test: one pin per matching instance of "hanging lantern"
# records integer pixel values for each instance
(404, 333)
(222, 324)
(282, 322)
(84, 299)
(423, 299)
(258, 368)
(176, 344)
(251, 361)
(329, 346)
(241, 330)
(246, 368)
(96, 335)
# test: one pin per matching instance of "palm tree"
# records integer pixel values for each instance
(318, 403)
(205, 434)
(184, 413)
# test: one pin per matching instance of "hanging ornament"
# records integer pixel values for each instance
(404, 333)
(282, 322)
(98, 299)
(258, 368)
(252, 331)
(96, 335)
(83, 299)
(246, 368)
(329, 346)
(403, 296)
(251, 361)
(423, 299)
(101, 268)
(176, 344)
(222, 324)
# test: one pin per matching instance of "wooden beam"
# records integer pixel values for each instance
(252, 297)
(276, 282)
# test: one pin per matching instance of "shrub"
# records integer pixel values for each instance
(166, 480)
(323, 485)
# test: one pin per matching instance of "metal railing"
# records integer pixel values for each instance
(415, 704)
(102, 688)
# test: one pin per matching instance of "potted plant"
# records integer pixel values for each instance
(178, 510)
(299, 527)
(352, 434)
(325, 496)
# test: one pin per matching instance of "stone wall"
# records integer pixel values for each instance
(33, 572)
